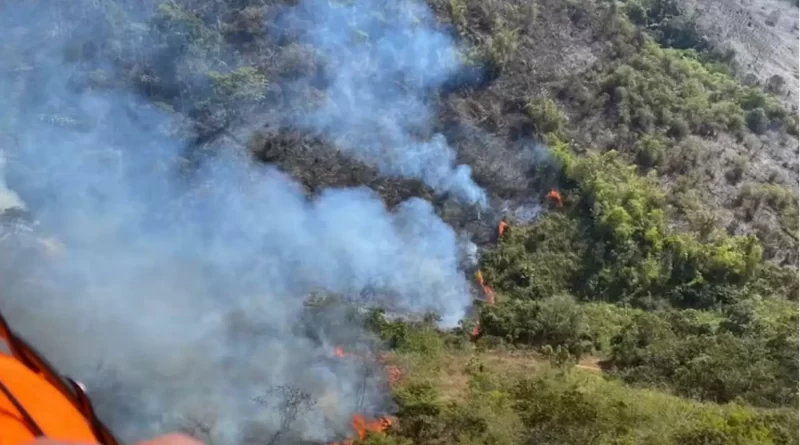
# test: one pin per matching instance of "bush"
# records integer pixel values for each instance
(757, 120)
(712, 358)
(555, 322)
(736, 427)
(674, 93)
(536, 262)
(617, 245)
(546, 116)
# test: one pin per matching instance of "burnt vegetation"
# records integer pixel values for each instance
(673, 260)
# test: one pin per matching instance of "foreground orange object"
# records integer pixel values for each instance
(38, 406)
(167, 439)
(55, 416)
(37, 402)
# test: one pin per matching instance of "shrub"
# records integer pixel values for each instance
(546, 116)
(702, 356)
(618, 245)
(757, 120)
(555, 322)
(675, 92)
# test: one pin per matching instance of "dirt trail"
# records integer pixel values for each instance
(589, 364)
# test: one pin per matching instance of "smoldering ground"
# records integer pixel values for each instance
(176, 290)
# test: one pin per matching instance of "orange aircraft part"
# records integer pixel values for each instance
(56, 416)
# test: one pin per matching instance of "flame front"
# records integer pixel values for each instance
(488, 295)
(487, 291)
(362, 426)
(502, 226)
(554, 196)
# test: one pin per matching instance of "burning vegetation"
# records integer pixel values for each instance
(362, 425)
(129, 128)
(501, 229)
(554, 196)
(393, 373)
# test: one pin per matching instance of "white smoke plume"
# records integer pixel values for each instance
(380, 60)
(176, 290)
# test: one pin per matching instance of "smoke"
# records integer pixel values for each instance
(9, 199)
(178, 289)
(380, 59)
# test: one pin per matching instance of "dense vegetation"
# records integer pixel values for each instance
(456, 394)
(694, 321)
(636, 268)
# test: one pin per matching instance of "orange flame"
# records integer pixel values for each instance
(488, 294)
(555, 196)
(479, 278)
(487, 291)
(476, 331)
(362, 426)
(393, 373)
(501, 229)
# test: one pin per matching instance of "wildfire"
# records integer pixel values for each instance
(476, 331)
(502, 226)
(487, 292)
(554, 196)
(393, 373)
(362, 426)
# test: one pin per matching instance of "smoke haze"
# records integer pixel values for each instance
(379, 62)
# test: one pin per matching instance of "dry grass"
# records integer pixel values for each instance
(452, 371)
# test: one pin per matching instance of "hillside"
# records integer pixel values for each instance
(269, 216)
